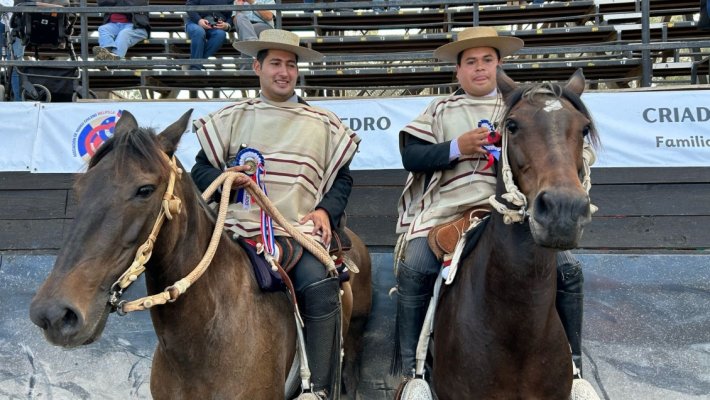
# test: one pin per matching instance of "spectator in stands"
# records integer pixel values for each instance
(15, 51)
(249, 24)
(704, 22)
(207, 30)
(430, 147)
(121, 31)
(308, 152)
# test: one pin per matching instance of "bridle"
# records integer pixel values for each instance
(514, 196)
(171, 205)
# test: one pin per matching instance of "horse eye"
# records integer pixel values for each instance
(511, 126)
(145, 191)
(585, 131)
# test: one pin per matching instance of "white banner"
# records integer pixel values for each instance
(17, 135)
(652, 129)
(637, 129)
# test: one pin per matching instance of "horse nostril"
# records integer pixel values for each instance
(55, 317)
(70, 319)
(542, 207)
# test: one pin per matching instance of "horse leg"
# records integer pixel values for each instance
(357, 301)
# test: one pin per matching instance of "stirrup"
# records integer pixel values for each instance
(416, 388)
(309, 395)
(582, 390)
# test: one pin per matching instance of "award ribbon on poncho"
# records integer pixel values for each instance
(257, 170)
(493, 138)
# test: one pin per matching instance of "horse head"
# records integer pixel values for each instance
(119, 199)
(544, 133)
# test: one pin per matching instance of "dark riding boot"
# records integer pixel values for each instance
(569, 302)
(414, 290)
(320, 309)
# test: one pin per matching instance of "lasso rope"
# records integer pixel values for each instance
(172, 292)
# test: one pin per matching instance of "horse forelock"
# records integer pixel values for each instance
(531, 91)
(138, 145)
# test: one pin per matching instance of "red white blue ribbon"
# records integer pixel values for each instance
(493, 138)
(257, 170)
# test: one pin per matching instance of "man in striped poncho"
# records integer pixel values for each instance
(307, 151)
(449, 173)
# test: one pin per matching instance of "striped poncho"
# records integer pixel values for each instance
(303, 147)
(450, 192)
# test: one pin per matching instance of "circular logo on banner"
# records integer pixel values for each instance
(93, 131)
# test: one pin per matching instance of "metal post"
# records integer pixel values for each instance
(476, 17)
(278, 25)
(84, 52)
(646, 65)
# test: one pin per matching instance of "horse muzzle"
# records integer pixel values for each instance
(62, 324)
(557, 218)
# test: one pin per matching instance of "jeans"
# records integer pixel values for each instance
(248, 30)
(118, 37)
(18, 51)
(203, 42)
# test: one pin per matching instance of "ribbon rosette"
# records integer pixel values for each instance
(256, 171)
(494, 139)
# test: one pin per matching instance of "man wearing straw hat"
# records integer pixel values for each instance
(451, 130)
(306, 152)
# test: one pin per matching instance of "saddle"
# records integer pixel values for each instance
(442, 238)
(290, 253)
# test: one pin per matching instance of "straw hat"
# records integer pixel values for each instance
(478, 36)
(277, 39)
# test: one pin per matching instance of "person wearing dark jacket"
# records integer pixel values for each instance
(207, 30)
(120, 31)
(305, 152)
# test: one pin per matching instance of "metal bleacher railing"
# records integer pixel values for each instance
(618, 42)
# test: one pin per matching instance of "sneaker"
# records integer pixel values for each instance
(102, 53)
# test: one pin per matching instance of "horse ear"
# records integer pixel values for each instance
(125, 124)
(505, 84)
(170, 136)
(576, 82)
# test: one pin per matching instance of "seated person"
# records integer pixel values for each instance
(15, 51)
(120, 31)
(249, 24)
(207, 30)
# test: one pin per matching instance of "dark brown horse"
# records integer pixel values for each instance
(497, 334)
(222, 339)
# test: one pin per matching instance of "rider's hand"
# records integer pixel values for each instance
(473, 141)
(241, 180)
(321, 224)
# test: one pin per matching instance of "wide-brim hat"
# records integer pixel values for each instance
(478, 36)
(277, 39)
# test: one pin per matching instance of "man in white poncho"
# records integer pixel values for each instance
(307, 152)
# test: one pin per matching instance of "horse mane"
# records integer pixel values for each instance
(528, 93)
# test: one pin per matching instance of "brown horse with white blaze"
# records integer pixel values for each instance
(223, 338)
(497, 334)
